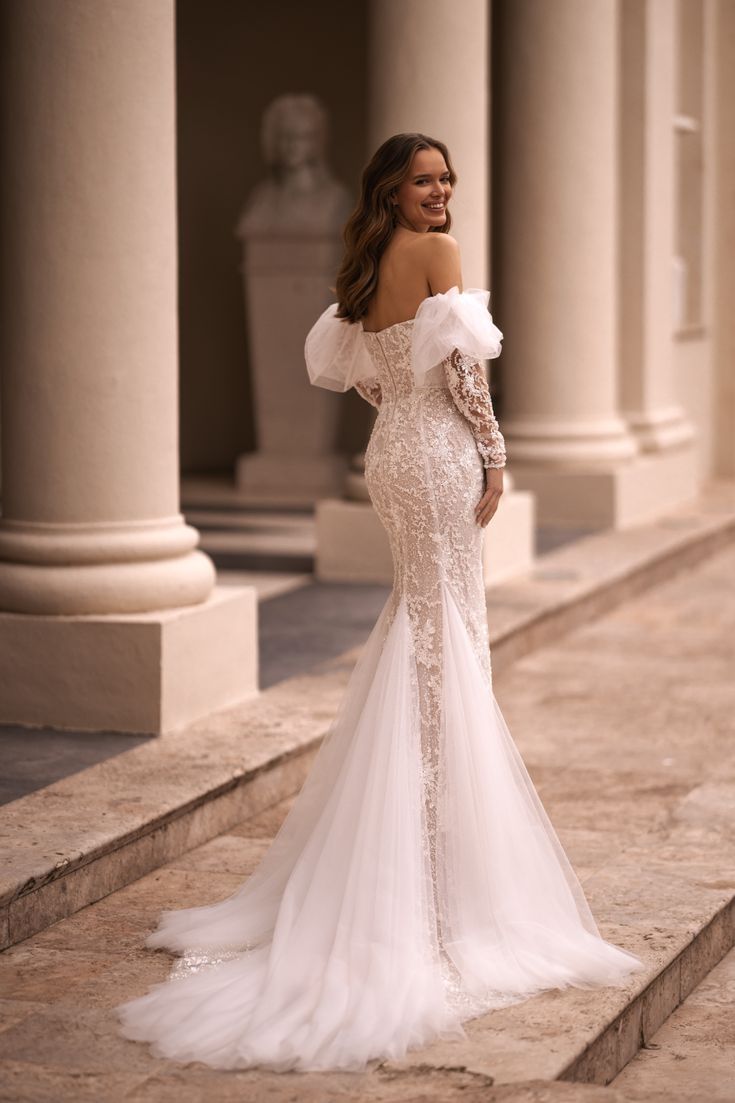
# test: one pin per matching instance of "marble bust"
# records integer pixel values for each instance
(300, 196)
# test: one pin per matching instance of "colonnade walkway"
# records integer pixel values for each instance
(625, 722)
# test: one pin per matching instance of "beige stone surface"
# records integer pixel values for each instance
(150, 672)
(692, 1057)
(287, 279)
(642, 488)
(648, 230)
(610, 446)
(80, 838)
(648, 828)
(591, 576)
(91, 520)
(448, 101)
(558, 412)
(91, 532)
(352, 545)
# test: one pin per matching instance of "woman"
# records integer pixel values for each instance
(416, 881)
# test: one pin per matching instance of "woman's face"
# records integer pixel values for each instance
(423, 196)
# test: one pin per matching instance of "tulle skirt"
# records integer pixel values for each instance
(354, 939)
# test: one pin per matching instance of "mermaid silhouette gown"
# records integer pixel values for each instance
(417, 881)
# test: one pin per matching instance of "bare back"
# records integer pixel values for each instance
(413, 266)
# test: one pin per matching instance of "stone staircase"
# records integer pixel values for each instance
(648, 827)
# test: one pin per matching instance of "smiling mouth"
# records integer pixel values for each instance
(434, 206)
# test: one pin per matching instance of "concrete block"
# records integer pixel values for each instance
(353, 546)
(508, 546)
(140, 672)
(351, 543)
(612, 497)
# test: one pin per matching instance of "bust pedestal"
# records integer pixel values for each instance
(352, 545)
(286, 282)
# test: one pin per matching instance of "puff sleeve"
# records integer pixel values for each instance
(455, 330)
(336, 356)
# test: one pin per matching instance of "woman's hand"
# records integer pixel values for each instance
(488, 503)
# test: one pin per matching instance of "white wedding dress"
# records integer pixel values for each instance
(417, 881)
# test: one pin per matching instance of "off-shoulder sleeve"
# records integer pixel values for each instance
(468, 384)
(335, 353)
(454, 331)
(453, 320)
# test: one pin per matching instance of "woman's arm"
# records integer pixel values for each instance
(471, 394)
(466, 379)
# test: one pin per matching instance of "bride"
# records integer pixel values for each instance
(417, 881)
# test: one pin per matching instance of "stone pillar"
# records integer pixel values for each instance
(429, 71)
(648, 207)
(559, 239)
(91, 524)
(557, 230)
(720, 67)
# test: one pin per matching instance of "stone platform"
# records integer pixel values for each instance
(692, 1057)
(633, 760)
(83, 836)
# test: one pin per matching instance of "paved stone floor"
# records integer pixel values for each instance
(32, 759)
(619, 723)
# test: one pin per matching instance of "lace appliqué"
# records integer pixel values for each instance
(468, 384)
(193, 961)
(370, 390)
(425, 478)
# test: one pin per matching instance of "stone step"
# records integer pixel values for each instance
(87, 834)
(692, 1056)
(643, 810)
(638, 777)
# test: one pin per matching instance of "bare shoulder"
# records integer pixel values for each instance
(441, 261)
(438, 245)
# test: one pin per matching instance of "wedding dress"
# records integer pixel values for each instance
(417, 881)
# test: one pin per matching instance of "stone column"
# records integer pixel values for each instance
(91, 522)
(720, 65)
(559, 232)
(557, 228)
(648, 207)
(429, 72)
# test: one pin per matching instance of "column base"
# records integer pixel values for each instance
(661, 429)
(143, 672)
(352, 545)
(81, 569)
(306, 477)
(615, 497)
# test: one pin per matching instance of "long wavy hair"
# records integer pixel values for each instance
(372, 223)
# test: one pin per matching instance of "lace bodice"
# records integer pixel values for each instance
(390, 350)
(443, 346)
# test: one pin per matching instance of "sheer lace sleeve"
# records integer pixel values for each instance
(471, 394)
(370, 390)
